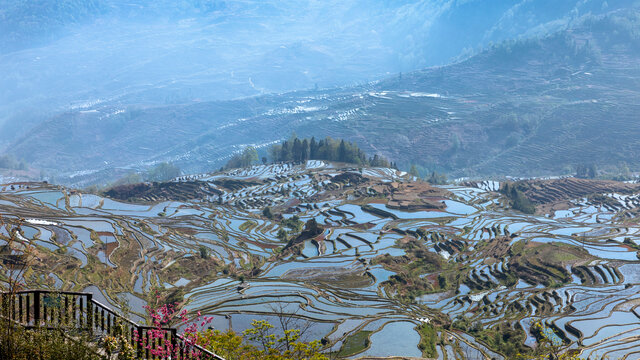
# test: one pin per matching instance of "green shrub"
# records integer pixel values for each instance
(428, 338)
(16, 343)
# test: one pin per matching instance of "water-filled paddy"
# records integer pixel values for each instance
(169, 235)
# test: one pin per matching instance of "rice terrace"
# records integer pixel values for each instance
(392, 265)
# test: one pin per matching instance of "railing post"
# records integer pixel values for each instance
(65, 314)
(139, 345)
(133, 330)
(36, 308)
(174, 342)
(14, 312)
(80, 310)
(90, 312)
(181, 349)
(21, 318)
(28, 309)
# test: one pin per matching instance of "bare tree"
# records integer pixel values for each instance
(293, 325)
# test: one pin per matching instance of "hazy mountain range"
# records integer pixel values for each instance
(103, 84)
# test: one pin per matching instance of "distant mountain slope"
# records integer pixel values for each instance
(528, 107)
(61, 55)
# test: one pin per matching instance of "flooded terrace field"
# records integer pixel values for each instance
(392, 256)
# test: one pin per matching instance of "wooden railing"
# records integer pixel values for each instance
(79, 311)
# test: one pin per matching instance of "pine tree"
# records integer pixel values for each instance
(313, 149)
(296, 152)
(304, 156)
(342, 152)
(285, 155)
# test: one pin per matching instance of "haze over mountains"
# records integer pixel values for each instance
(107, 84)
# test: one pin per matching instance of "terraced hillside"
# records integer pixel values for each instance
(549, 195)
(531, 107)
(374, 274)
(549, 191)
